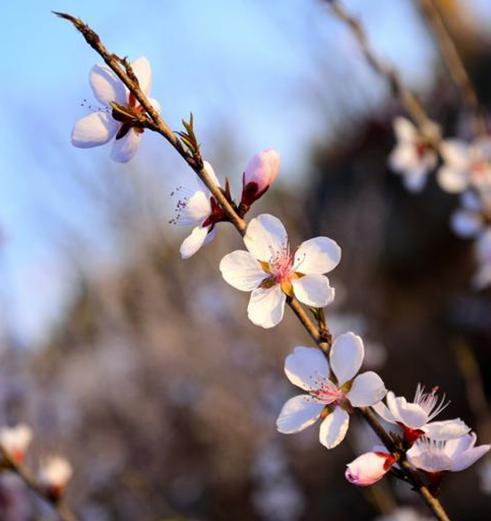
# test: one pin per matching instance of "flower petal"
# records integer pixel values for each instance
(266, 306)
(143, 71)
(265, 237)
(404, 129)
(381, 409)
(346, 356)
(369, 468)
(469, 457)
(298, 413)
(446, 430)
(241, 270)
(313, 290)
(455, 153)
(317, 255)
(410, 414)
(415, 178)
(306, 368)
(194, 209)
(466, 223)
(209, 170)
(367, 389)
(452, 180)
(333, 429)
(155, 104)
(125, 148)
(403, 157)
(94, 130)
(107, 87)
(193, 242)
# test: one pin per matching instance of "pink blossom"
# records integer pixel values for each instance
(369, 468)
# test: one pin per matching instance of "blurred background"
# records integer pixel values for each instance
(143, 369)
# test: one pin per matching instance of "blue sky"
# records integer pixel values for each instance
(257, 64)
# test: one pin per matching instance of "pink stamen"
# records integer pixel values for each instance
(329, 393)
(281, 265)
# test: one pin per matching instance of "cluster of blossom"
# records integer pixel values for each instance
(275, 273)
(465, 169)
(54, 471)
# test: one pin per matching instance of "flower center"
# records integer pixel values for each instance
(421, 148)
(329, 393)
(281, 266)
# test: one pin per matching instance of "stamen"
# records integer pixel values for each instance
(429, 402)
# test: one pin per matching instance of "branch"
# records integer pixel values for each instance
(453, 62)
(30, 480)
(320, 335)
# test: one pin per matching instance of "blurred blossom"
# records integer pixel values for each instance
(54, 474)
(15, 441)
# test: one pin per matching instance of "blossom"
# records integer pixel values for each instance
(465, 165)
(333, 388)
(413, 157)
(197, 207)
(415, 418)
(470, 218)
(452, 455)
(271, 271)
(369, 468)
(101, 126)
(15, 441)
(482, 277)
(54, 474)
(258, 176)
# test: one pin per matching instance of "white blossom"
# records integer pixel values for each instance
(452, 455)
(100, 126)
(415, 417)
(271, 271)
(469, 220)
(333, 388)
(15, 441)
(54, 473)
(197, 207)
(465, 165)
(413, 157)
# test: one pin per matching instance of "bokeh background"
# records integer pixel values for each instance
(143, 369)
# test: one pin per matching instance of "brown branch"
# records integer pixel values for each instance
(453, 62)
(322, 340)
(30, 480)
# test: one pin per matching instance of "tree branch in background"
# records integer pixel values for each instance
(453, 62)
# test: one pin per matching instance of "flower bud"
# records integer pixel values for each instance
(54, 474)
(15, 441)
(259, 175)
(369, 468)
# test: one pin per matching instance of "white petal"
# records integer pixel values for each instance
(265, 237)
(333, 429)
(346, 356)
(410, 414)
(471, 201)
(125, 148)
(446, 430)
(195, 209)
(298, 413)
(369, 468)
(155, 104)
(482, 278)
(94, 130)
(306, 368)
(107, 87)
(313, 290)
(317, 255)
(455, 153)
(193, 242)
(381, 409)
(266, 306)
(367, 389)
(403, 157)
(469, 457)
(466, 223)
(415, 179)
(241, 270)
(452, 180)
(143, 71)
(404, 129)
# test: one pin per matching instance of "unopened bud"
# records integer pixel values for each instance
(259, 175)
(369, 468)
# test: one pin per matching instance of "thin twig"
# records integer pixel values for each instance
(453, 62)
(30, 480)
(158, 125)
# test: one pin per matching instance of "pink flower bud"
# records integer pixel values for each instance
(369, 468)
(259, 175)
